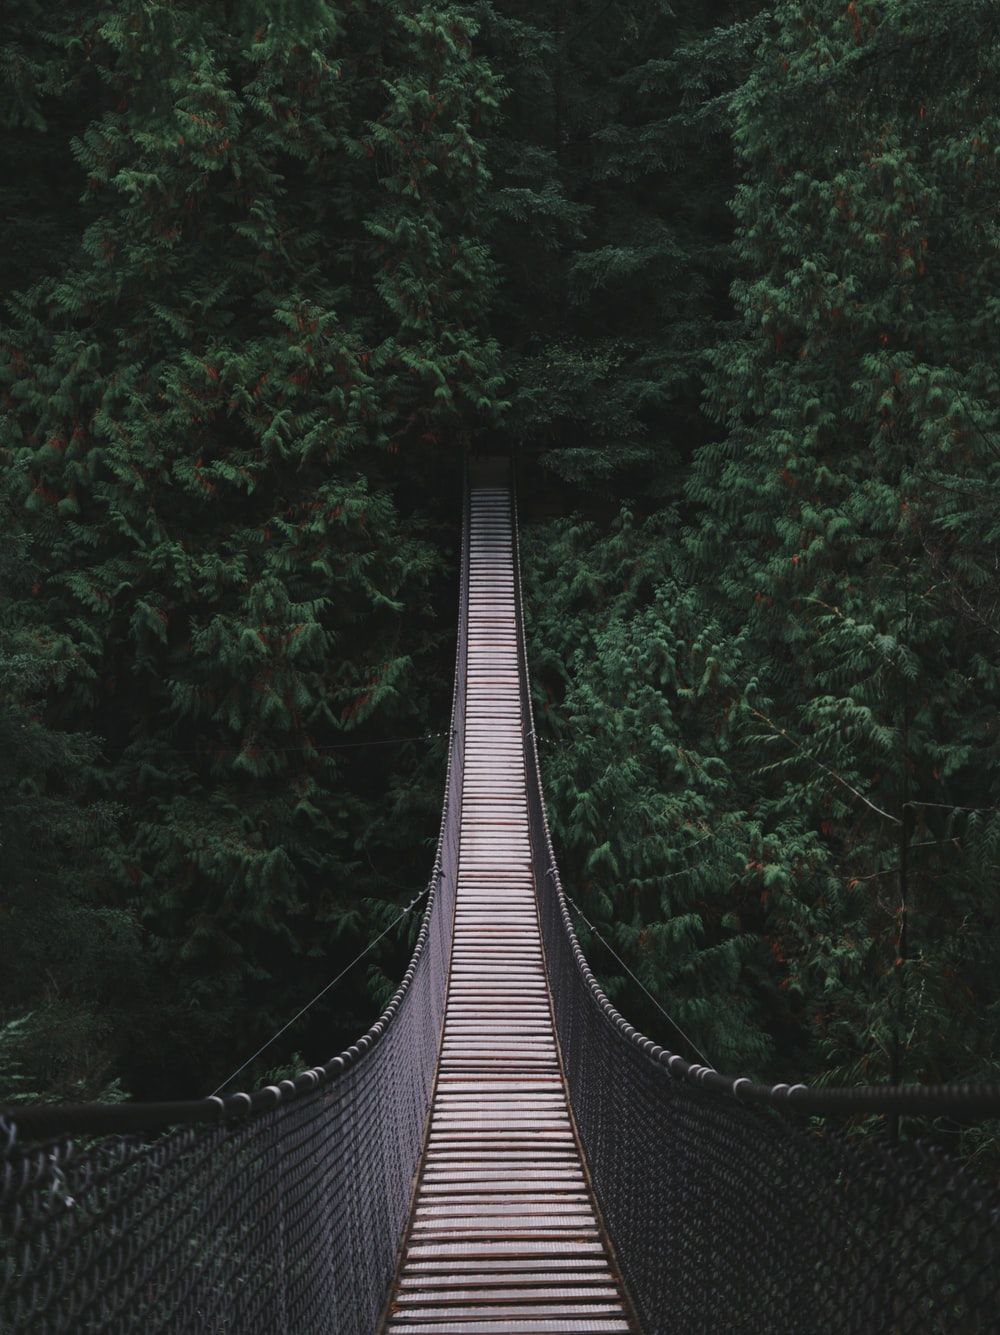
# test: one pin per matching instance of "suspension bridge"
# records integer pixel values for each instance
(501, 1152)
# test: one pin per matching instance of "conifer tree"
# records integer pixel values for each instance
(67, 961)
(613, 172)
(274, 322)
(861, 401)
(46, 97)
(813, 654)
(649, 811)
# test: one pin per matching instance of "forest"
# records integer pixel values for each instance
(724, 278)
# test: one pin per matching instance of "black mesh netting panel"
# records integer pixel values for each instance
(733, 1218)
(286, 1214)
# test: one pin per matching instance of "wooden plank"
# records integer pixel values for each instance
(512, 1326)
(510, 1292)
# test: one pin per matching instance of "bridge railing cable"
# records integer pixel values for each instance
(730, 1205)
(277, 1210)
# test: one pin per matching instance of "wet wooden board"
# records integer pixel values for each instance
(504, 1236)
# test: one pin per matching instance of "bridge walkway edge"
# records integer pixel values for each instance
(504, 1238)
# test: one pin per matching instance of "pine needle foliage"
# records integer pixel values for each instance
(271, 328)
(611, 232)
(806, 670)
(724, 277)
(860, 400)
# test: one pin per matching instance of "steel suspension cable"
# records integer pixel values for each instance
(638, 981)
(323, 991)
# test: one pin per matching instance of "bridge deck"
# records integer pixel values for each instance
(503, 1237)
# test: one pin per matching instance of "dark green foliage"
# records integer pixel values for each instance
(861, 401)
(46, 97)
(272, 327)
(69, 960)
(632, 682)
(726, 277)
(611, 231)
(818, 641)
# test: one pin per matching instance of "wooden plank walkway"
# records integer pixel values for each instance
(503, 1236)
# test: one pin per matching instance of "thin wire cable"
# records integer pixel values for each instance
(323, 991)
(333, 746)
(638, 981)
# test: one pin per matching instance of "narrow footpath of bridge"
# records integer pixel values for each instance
(504, 1235)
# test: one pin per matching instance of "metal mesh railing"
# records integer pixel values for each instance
(281, 1210)
(731, 1212)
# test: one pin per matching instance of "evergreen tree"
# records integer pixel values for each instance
(644, 790)
(613, 171)
(844, 513)
(806, 669)
(293, 262)
(273, 327)
(68, 962)
(46, 97)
